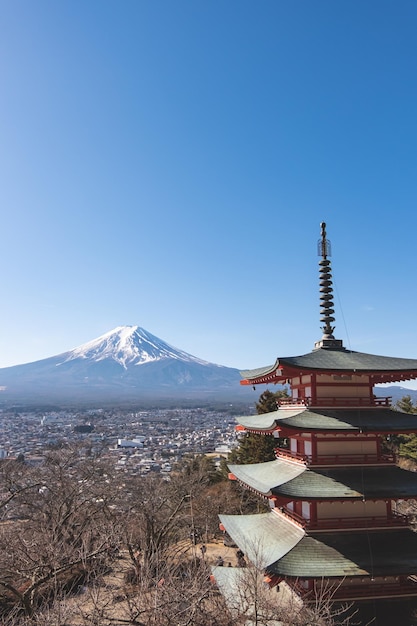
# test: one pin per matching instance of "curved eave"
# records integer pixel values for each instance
(287, 374)
(377, 553)
(270, 373)
(297, 482)
(264, 537)
(267, 421)
(375, 420)
(264, 477)
(381, 369)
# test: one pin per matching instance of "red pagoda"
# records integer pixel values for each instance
(333, 489)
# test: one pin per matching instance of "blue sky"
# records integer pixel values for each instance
(168, 164)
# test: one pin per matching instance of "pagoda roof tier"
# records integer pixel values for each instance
(294, 480)
(278, 546)
(381, 369)
(264, 477)
(263, 537)
(377, 553)
(374, 420)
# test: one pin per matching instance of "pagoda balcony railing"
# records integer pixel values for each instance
(337, 401)
(339, 523)
(342, 523)
(336, 459)
(371, 589)
(355, 459)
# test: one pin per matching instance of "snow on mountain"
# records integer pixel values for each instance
(105, 370)
(129, 345)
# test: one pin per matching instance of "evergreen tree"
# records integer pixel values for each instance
(405, 445)
(406, 405)
(201, 468)
(268, 401)
(255, 448)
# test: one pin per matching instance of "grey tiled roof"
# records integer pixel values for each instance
(264, 538)
(337, 360)
(281, 477)
(265, 421)
(273, 543)
(264, 477)
(355, 482)
(359, 420)
(376, 553)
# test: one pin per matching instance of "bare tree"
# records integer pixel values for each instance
(80, 546)
(64, 533)
(15, 479)
(183, 596)
(252, 597)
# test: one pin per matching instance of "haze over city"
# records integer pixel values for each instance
(169, 165)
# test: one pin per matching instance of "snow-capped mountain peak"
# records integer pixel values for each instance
(129, 345)
(106, 370)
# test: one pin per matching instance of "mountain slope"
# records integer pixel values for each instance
(127, 363)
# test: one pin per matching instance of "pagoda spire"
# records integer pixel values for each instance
(326, 293)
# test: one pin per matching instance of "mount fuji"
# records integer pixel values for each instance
(125, 365)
